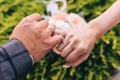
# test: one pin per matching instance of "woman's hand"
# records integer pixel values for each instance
(77, 45)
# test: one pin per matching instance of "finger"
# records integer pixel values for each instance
(56, 39)
(73, 55)
(79, 50)
(62, 45)
(67, 50)
(35, 16)
(78, 61)
(50, 29)
(42, 24)
(61, 32)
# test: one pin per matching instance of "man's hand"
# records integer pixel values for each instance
(36, 35)
(77, 44)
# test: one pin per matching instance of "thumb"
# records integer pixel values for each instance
(56, 39)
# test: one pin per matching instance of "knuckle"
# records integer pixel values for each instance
(77, 49)
(38, 28)
(70, 35)
(25, 24)
(62, 54)
(37, 14)
(48, 43)
(82, 48)
(27, 20)
(76, 40)
(37, 32)
(44, 22)
(68, 59)
(75, 65)
(53, 25)
(85, 58)
(78, 52)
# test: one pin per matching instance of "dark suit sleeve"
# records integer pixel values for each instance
(15, 60)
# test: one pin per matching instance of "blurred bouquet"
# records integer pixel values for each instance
(60, 17)
(65, 21)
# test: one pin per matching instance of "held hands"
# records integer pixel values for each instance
(36, 35)
(77, 45)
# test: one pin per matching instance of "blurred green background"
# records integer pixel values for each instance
(104, 58)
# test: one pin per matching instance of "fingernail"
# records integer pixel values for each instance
(56, 50)
(66, 66)
(60, 47)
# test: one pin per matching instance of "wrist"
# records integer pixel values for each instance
(96, 28)
(31, 56)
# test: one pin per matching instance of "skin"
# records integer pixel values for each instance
(35, 34)
(78, 44)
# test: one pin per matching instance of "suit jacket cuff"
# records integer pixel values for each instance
(19, 56)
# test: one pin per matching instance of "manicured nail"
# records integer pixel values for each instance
(66, 66)
(60, 47)
(56, 50)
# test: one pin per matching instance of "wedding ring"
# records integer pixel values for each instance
(51, 30)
